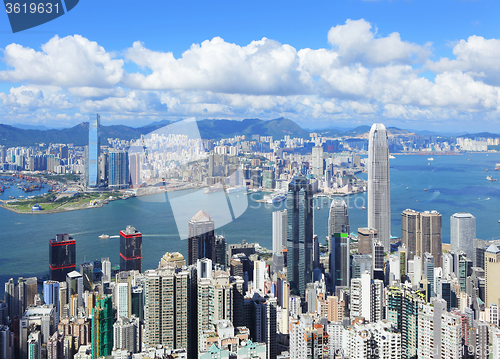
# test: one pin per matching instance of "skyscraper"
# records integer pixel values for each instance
(463, 233)
(422, 232)
(338, 238)
(201, 238)
(379, 185)
(410, 231)
(93, 151)
(300, 211)
(166, 309)
(431, 237)
(279, 231)
(62, 256)
(317, 161)
(130, 249)
(491, 270)
(118, 169)
(102, 327)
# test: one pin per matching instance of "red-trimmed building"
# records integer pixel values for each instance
(130, 249)
(62, 256)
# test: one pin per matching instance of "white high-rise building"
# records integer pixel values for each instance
(367, 298)
(106, 269)
(379, 186)
(259, 276)
(317, 161)
(279, 231)
(361, 339)
(463, 233)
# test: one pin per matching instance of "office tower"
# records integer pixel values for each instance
(338, 218)
(431, 236)
(359, 264)
(102, 327)
(378, 260)
(300, 211)
(6, 342)
(267, 179)
(402, 311)
(366, 236)
(166, 309)
(123, 300)
(2, 154)
(264, 312)
(74, 285)
(379, 186)
(135, 169)
(220, 251)
(118, 171)
(126, 334)
(93, 152)
(87, 272)
(51, 295)
(317, 161)
(130, 249)
(201, 238)
(279, 231)
(464, 271)
(106, 270)
(62, 256)
(31, 290)
(428, 266)
(259, 276)
(422, 232)
(463, 233)
(410, 230)
(491, 270)
(103, 168)
(340, 260)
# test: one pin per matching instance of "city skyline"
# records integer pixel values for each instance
(354, 63)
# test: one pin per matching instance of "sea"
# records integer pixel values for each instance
(447, 184)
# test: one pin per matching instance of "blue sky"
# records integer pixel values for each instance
(413, 64)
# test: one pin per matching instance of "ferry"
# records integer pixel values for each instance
(430, 159)
(213, 189)
(489, 178)
(104, 236)
(392, 157)
(236, 189)
(276, 199)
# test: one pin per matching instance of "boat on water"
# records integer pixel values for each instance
(425, 189)
(489, 178)
(276, 199)
(392, 157)
(104, 236)
(213, 189)
(363, 207)
(236, 189)
(430, 159)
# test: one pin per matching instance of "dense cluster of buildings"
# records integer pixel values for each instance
(364, 295)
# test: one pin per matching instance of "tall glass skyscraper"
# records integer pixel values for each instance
(463, 233)
(379, 186)
(338, 239)
(93, 149)
(201, 238)
(118, 175)
(300, 228)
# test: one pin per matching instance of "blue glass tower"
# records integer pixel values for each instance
(118, 175)
(300, 228)
(92, 163)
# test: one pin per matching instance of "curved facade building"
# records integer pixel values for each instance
(379, 185)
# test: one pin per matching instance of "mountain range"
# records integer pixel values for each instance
(11, 136)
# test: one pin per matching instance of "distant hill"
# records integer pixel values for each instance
(209, 129)
(216, 129)
(481, 134)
